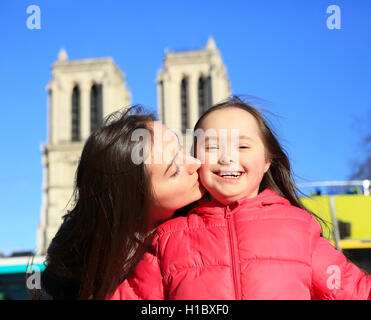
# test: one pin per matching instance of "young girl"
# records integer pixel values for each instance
(250, 237)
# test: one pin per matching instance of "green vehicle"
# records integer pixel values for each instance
(13, 272)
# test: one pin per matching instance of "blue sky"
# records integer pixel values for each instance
(316, 80)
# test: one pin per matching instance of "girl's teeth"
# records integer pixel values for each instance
(234, 175)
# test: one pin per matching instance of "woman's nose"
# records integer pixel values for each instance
(191, 163)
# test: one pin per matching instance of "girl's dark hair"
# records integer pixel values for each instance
(279, 176)
(101, 238)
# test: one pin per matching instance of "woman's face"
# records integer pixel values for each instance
(173, 174)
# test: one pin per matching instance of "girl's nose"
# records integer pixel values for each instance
(225, 158)
(228, 154)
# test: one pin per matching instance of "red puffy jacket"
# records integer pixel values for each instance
(260, 248)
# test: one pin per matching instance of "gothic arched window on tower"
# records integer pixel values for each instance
(75, 115)
(204, 94)
(162, 100)
(50, 107)
(96, 106)
(209, 101)
(201, 96)
(184, 103)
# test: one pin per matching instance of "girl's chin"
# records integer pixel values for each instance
(226, 198)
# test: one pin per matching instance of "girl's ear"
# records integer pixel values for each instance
(268, 162)
(267, 166)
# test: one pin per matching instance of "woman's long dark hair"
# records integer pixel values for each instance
(279, 176)
(100, 239)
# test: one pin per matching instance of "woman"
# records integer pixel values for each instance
(118, 201)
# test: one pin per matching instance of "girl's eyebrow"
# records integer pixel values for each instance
(240, 137)
(246, 138)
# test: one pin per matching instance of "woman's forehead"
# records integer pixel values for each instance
(165, 144)
(162, 134)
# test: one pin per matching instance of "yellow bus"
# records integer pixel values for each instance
(348, 216)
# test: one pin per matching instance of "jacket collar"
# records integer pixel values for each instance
(265, 198)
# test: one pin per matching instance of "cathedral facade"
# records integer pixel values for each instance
(83, 92)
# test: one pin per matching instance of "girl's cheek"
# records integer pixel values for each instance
(202, 173)
(203, 156)
(211, 158)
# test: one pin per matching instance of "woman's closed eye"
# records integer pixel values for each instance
(211, 147)
(177, 171)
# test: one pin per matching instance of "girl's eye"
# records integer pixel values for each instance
(176, 172)
(244, 147)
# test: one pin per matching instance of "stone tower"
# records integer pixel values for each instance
(81, 93)
(189, 83)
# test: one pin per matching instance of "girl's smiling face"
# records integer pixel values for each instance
(233, 155)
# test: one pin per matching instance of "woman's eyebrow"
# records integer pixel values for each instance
(207, 138)
(171, 163)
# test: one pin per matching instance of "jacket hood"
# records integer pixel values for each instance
(265, 198)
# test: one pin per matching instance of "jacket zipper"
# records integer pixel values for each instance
(234, 253)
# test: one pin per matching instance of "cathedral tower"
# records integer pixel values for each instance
(81, 93)
(189, 83)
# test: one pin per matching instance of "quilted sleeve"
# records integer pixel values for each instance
(333, 276)
(144, 283)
